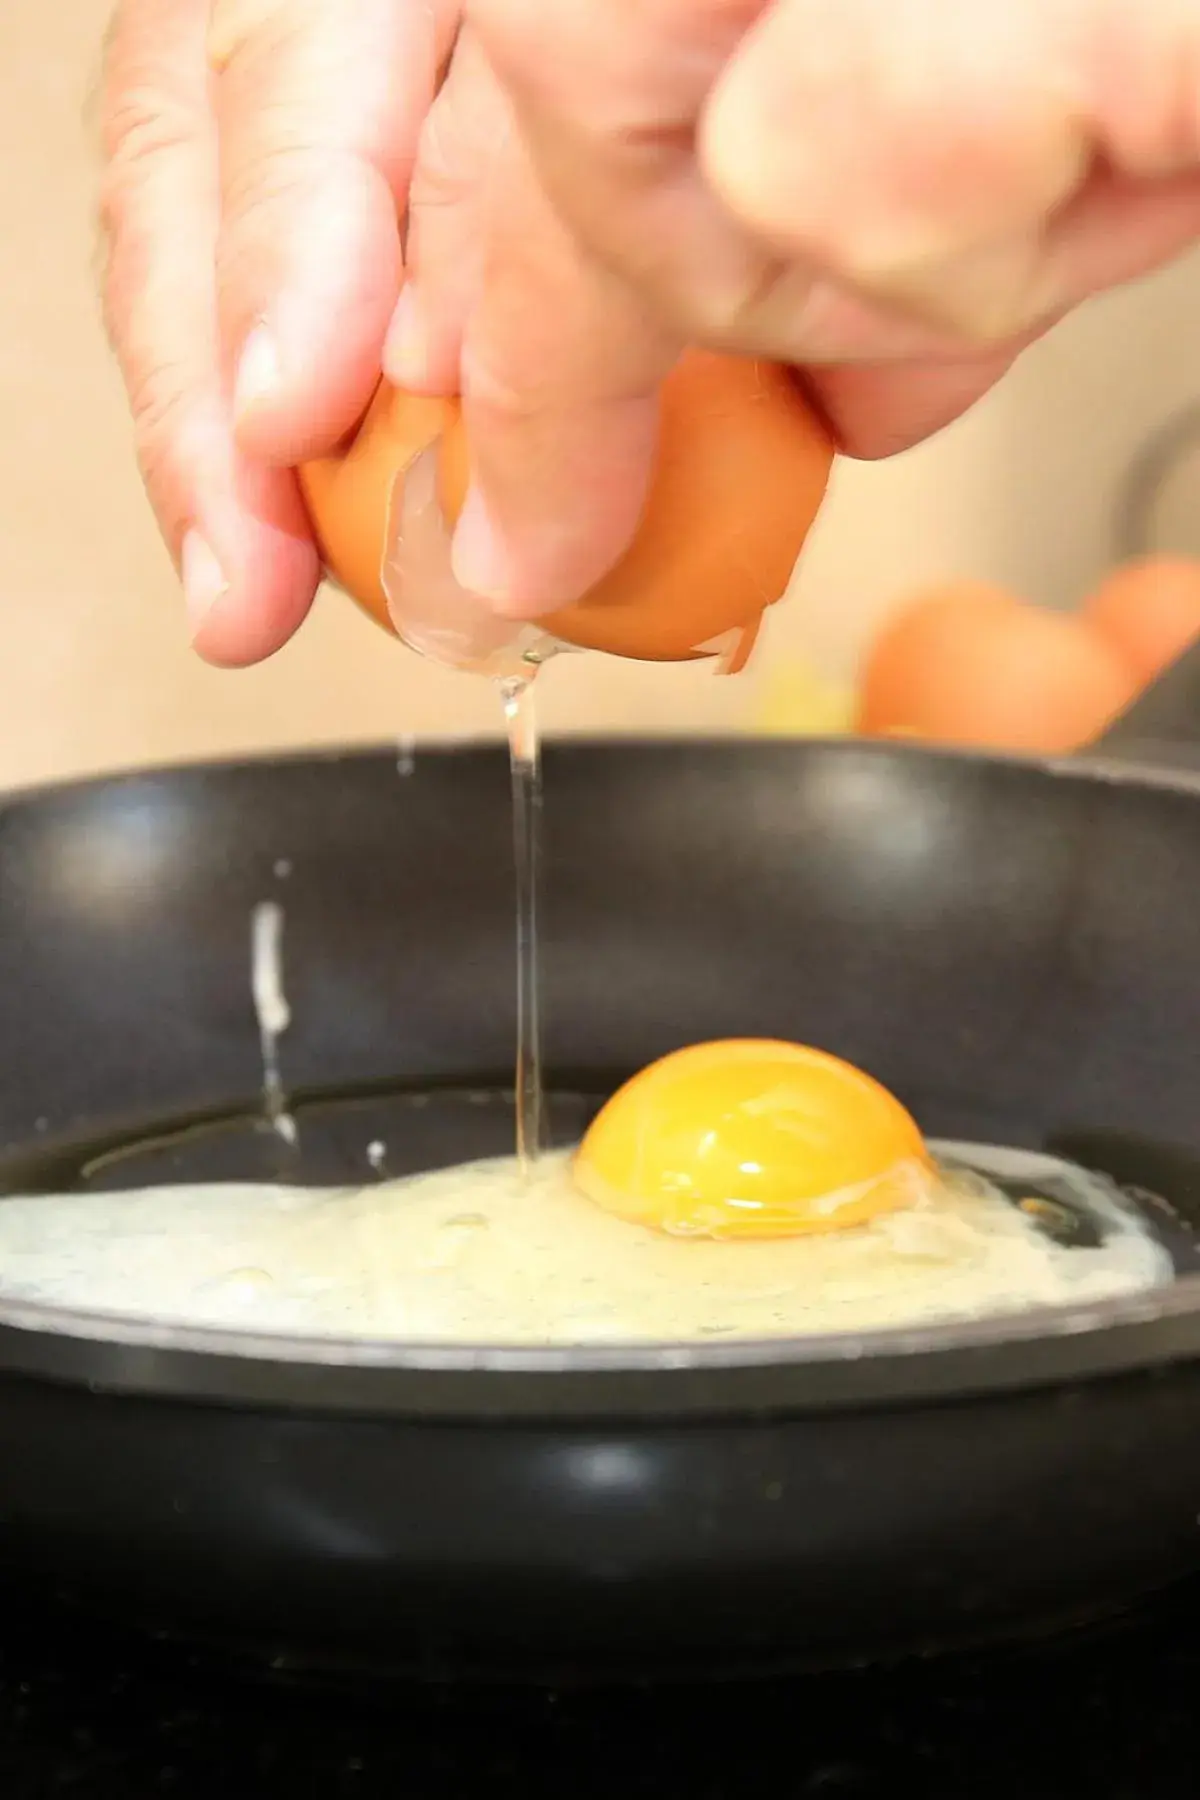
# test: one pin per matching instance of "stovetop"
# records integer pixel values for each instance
(96, 1713)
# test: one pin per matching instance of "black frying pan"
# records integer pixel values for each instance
(1014, 947)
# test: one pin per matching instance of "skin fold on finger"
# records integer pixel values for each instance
(875, 410)
(1139, 66)
(561, 369)
(1115, 230)
(320, 104)
(460, 148)
(239, 530)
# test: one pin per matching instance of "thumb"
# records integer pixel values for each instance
(912, 151)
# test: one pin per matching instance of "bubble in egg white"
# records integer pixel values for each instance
(241, 1287)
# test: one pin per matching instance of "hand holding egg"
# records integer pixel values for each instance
(896, 198)
(740, 471)
(250, 316)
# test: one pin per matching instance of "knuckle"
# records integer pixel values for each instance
(464, 133)
(147, 128)
(236, 26)
(1144, 70)
(143, 126)
(141, 121)
(709, 313)
(450, 164)
(141, 110)
(123, 259)
(269, 202)
(115, 293)
(135, 208)
(158, 405)
(274, 175)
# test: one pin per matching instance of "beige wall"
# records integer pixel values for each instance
(95, 668)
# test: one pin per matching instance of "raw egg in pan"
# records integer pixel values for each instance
(746, 1189)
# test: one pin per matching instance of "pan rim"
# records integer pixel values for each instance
(1060, 1346)
(901, 1366)
(1087, 766)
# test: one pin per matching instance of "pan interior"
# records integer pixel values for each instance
(1013, 950)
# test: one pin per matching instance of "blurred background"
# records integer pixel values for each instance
(97, 673)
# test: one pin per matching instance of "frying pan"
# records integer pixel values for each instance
(1012, 946)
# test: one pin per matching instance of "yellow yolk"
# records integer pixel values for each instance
(752, 1138)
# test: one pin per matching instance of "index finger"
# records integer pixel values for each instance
(236, 530)
(320, 105)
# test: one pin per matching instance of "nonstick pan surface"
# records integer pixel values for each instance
(1014, 948)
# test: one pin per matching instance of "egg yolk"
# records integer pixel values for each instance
(751, 1138)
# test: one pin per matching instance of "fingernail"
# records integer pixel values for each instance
(406, 348)
(477, 556)
(257, 371)
(203, 579)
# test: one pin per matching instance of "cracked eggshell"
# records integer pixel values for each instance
(740, 473)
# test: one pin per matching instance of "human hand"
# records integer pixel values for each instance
(896, 196)
(258, 156)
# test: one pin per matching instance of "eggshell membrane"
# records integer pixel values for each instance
(740, 471)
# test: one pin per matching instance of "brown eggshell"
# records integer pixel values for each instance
(968, 663)
(1149, 610)
(741, 469)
